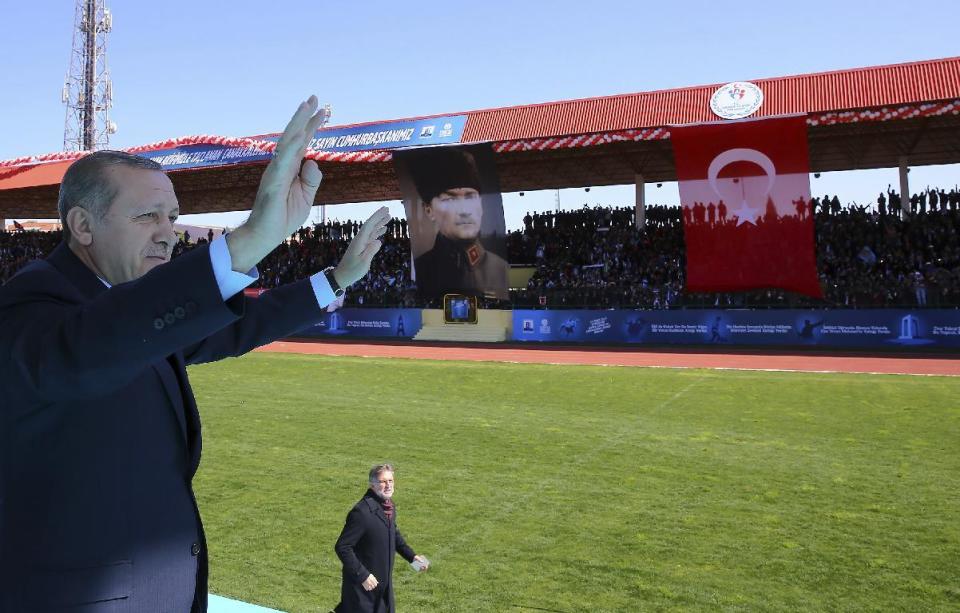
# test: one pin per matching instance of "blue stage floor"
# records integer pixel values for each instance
(219, 604)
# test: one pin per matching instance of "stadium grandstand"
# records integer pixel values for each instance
(885, 255)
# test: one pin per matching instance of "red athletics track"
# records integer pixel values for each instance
(947, 365)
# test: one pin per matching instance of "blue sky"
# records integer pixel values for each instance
(239, 68)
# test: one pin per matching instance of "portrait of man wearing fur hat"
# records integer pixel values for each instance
(449, 186)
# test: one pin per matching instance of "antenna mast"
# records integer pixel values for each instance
(87, 90)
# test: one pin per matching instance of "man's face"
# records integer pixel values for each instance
(136, 235)
(457, 213)
(384, 485)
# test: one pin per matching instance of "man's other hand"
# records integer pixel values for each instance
(356, 260)
(370, 583)
(425, 564)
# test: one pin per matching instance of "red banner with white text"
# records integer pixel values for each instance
(747, 218)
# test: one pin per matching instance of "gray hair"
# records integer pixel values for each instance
(85, 184)
(376, 470)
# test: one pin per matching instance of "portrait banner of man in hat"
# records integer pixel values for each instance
(455, 215)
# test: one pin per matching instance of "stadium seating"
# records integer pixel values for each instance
(593, 257)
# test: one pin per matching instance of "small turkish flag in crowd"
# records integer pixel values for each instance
(747, 217)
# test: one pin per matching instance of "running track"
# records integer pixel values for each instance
(661, 358)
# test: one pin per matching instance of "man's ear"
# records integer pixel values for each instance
(428, 211)
(80, 223)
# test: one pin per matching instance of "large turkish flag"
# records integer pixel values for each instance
(747, 219)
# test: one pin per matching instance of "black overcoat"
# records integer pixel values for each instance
(367, 545)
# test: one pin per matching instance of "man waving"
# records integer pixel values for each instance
(99, 431)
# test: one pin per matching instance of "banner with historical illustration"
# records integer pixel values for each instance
(454, 211)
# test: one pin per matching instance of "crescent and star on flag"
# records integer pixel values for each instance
(746, 213)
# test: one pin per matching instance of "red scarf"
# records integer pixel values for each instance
(387, 505)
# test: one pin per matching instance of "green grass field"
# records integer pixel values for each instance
(581, 488)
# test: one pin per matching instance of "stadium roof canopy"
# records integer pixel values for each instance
(861, 118)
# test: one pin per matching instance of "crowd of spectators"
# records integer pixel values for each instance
(314, 248)
(875, 256)
(18, 248)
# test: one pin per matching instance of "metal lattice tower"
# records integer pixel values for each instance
(88, 91)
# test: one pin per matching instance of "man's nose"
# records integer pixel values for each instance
(165, 232)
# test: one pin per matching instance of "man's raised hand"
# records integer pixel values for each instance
(287, 189)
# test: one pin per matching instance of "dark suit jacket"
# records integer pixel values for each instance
(99, 431)
(451, 268)
(367, 545)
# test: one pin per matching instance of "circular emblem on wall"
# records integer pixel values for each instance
(736, 100)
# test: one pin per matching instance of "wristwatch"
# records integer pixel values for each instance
(337, 290)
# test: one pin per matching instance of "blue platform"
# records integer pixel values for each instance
(219, 604)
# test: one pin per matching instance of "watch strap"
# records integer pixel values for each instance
(337, 290)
